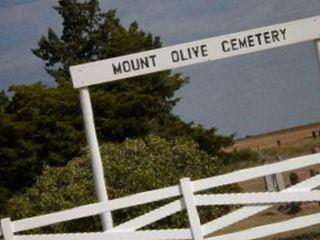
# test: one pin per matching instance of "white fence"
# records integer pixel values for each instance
(210, 49)
(86, 75)
(255, 203)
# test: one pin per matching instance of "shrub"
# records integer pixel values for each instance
(130, 167)
(243, 158)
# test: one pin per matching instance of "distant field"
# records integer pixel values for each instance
(285, 143)
(298, 135)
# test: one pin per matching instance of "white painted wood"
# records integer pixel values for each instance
(139, 235)
(246, 212)
(97, 168)
(270, 183)
(58, 217)
(190, 203)
(257, 198)
(280, 182)
(231, 218)
(151, 217)
(7, 229)
(208, 49)
(251, 173)
(207, 183)
(144, 198)
(272, 229)
(317, 44)
(155, 195)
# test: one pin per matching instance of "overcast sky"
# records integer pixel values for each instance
(246, 95)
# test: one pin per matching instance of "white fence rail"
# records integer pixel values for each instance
(257, 202)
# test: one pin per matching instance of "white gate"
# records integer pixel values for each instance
(226, 46)
(254, 203)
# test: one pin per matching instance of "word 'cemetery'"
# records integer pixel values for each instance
(254, 40)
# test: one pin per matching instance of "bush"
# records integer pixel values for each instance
(306, 236)
(130, 167)
(243, 158)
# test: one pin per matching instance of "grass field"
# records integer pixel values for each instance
(293, 142)
(287, 137)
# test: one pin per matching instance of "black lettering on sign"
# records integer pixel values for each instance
(134, 64)
(153, 60)
(258, 36)
(234, 44)
(225, 46)
(144, 63)
(126, 66)
(275, 36)
(267, 37)
(243, 43)
(251, 41)
(189, 53)
(117, 69)
(183, 57)
(283, 32)
(204, 50)
(175, 56)
(254, 40)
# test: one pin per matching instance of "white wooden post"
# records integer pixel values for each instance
(274, 182)
(95, 155)
(280, 182)
(195, 224)
(279, 178)
(269, 183)
(317, 44)
(7, 229)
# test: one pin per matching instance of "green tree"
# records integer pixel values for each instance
(39, 127)
(133, 166)
(122, 109)
(42, 126)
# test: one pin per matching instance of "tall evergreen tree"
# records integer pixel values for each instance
(123, 109)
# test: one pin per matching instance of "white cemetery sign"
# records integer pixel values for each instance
(132, 65)
(196, 52)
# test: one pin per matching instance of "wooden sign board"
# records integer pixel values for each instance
(210, 49)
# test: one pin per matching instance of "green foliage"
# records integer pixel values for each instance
(210, 141)
(207, 139)
(40, 126)
(3, 101)
(122, 109)
(243, 158)
(130, 167)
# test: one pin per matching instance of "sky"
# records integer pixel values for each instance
(246, 95)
